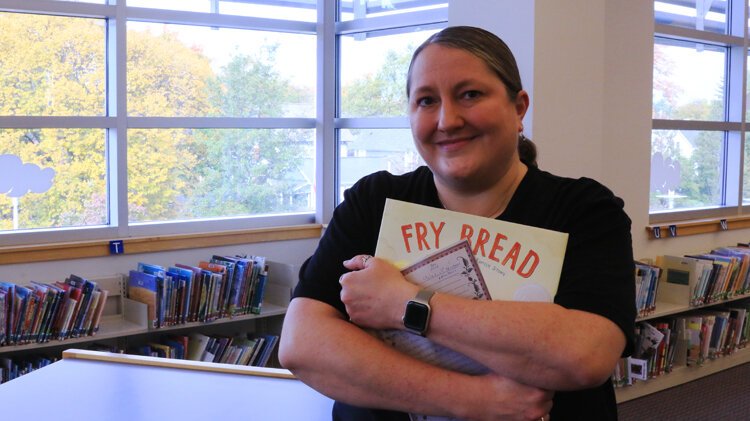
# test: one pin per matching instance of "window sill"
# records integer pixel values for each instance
(101, 248)
(697, 226)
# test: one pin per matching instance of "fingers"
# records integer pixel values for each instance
(358, 262)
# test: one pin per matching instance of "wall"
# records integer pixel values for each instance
(591, 73)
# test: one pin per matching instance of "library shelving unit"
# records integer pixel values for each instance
(673, 299)
(124, 321)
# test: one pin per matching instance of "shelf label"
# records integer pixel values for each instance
(116, 247)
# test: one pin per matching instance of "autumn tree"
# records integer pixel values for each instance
(55, 66)
(166, 78)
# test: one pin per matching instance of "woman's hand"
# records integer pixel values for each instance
(501, 398)
(375, 293)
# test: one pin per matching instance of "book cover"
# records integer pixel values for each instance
(53, 295)
(194, 291)
(3, 315)
(96, 321)
(518, 262)
(186, 277)
(87, 288)
(228, 284)
(142, 287)
(196, 346)
(160, 273)
(260, 288)
(21, 302)
(88, 320)
(216, 287)
(236, 274)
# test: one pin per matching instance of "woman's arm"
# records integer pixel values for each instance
(348, 364)
(540, 344)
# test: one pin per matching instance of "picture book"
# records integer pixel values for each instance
(196, 346)
(484, 258)
(518, 262)
(142, 287)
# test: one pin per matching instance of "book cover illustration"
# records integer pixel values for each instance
(518, 262)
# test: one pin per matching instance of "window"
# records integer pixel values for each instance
(375, 42)
(698, 137)
(173, 116)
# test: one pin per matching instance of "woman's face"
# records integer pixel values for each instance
(464, 124)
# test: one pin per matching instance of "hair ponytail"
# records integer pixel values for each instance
(527, 150)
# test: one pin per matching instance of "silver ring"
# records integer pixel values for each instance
(365, 258)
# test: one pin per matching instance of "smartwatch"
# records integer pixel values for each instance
(417, 314)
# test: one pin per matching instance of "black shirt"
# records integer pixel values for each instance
(597, 274)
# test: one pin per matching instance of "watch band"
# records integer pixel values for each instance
(423, 296)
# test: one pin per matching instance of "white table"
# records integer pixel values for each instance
(89, 385)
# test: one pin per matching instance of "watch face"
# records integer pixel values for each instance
(416, 315)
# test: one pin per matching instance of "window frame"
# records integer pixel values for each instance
(733, 124)
(117, 122)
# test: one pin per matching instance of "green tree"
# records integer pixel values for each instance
(382, 94)
(700, 172)
(246, 171)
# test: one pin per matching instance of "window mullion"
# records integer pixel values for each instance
(117, 149)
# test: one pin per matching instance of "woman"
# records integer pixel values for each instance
(547, 360)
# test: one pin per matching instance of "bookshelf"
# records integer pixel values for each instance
(682, 375)
(124, 321)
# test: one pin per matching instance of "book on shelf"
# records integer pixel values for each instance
(143, 287)
(97, 318)
(186, 277)
(194, 289)
(235, 276)
(725, 269)
(259, 288)
(684, 279)
(159, 284)
(197, 344)
(741, 284)
(39, 312)
(646, 287)
(87, 288)
(177, 345)
(215, 276)
(266, 346)
(3, 315)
